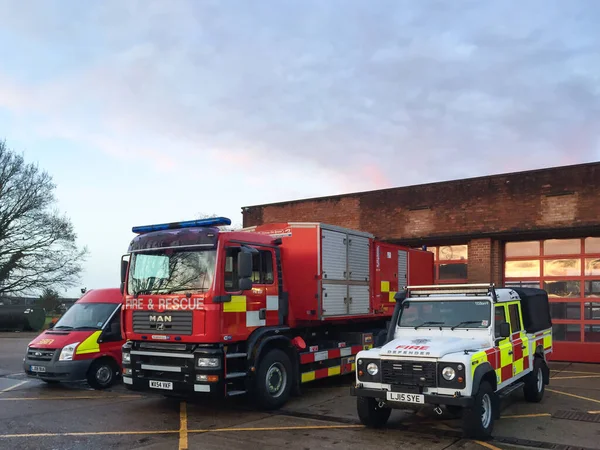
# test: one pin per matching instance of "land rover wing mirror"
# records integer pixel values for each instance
(504, 330)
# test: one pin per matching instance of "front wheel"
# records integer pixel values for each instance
(102, 374)
(370, 413)
(273, 382)
(534, 382)
(478, 421)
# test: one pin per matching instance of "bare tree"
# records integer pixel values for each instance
(37, 244)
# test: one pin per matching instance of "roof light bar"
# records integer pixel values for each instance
(465, 289)
(212, 222)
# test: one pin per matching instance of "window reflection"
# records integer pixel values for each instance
(562, 267)
(453, 252)
(563, 289)
(562, 246)
(592, 288)
(571, 311)
(566, 332)
(592, 266)
(522, 269)
(592, 245)
(592, 333)
(591, 311)
(517, 249)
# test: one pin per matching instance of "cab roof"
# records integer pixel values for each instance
(105, 295)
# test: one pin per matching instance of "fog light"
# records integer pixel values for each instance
(126, 371)
(207, 378)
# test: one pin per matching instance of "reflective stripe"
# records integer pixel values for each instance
(237, 304)
(385, 286)
(89, 345)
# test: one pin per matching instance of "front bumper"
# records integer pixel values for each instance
(176, 388)
(430, 399)
(58, 370)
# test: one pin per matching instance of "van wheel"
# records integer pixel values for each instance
(534, 382)
(102, 374)
(478, 421)
(273, 382)
(370, 413)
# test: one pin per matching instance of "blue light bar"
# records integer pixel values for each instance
(212, 222)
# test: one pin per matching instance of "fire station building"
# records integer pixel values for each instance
(537, 228)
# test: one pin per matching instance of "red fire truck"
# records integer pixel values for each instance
(259, 311)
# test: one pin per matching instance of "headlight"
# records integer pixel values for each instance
(213, 363)
(372, 369)
(126, 357)
(67, 352)
(448, 373)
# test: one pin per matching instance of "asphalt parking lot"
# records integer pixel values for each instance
(35, 415)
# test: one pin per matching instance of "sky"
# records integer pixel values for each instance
(157, 111)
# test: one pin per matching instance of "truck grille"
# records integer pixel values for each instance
(38, 354)
(409, 373)
(172, 322)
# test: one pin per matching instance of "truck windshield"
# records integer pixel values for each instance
(84, 316)
(450, 314)
(171, 271)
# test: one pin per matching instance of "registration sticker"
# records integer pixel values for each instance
(485, 323)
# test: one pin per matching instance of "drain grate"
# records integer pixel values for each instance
(577, 415)
(537, 444)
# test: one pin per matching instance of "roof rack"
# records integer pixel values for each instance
(484, 289)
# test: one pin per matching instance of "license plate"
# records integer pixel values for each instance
(161, 385)
(38, 368)
(406, 398)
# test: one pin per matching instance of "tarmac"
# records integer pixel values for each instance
(35, 415)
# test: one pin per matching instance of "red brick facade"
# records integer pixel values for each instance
(481, 212)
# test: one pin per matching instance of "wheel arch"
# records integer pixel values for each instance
(484, 372)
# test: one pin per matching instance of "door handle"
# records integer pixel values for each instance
(510, 352)
(523, 347)
(262, 314)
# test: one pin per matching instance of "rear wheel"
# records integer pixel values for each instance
(370, 413)
(534, 382)
(102, 373)
(478, 421)
(273, 381)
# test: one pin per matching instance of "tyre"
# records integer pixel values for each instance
(273, 383)
(478, 421)
(370, 413)
(534, 382)
(102, 374)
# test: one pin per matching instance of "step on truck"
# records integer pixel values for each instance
(257, 311)
(463, 347)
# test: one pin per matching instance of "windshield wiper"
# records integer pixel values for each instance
(429, 323)
(466, 322)
(89, 327)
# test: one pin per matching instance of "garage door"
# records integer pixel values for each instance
(569, 270)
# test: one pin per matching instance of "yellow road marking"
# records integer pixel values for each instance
(490, 446)
(14, 386)
(75, 397)
(207, 430)
(524, 416)
(183, 431)
(573, 395)
(576, 377)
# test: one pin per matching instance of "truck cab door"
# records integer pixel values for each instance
(520, 343)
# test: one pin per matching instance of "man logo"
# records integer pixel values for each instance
(160, 326)
(163, 319)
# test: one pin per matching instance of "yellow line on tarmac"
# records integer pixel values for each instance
(574, 371)
(593, 412)
(14, 386)
(183, 432)
(75, 397)
(490, 446)
(577, 377)
(207, 430)
(573, 395)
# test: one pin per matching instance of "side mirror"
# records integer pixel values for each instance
(124, 267)
(504, 330)
(400, 296)
(244, 265)
(245, 284)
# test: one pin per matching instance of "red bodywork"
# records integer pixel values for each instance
(303, 254)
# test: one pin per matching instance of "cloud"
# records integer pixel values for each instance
(358, 92)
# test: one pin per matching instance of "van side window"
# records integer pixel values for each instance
(499, 317)
(515, 321)
(262, 266)
(231, 275)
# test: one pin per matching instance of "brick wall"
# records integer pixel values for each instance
(480, 211)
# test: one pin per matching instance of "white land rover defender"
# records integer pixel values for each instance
(463, 347)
